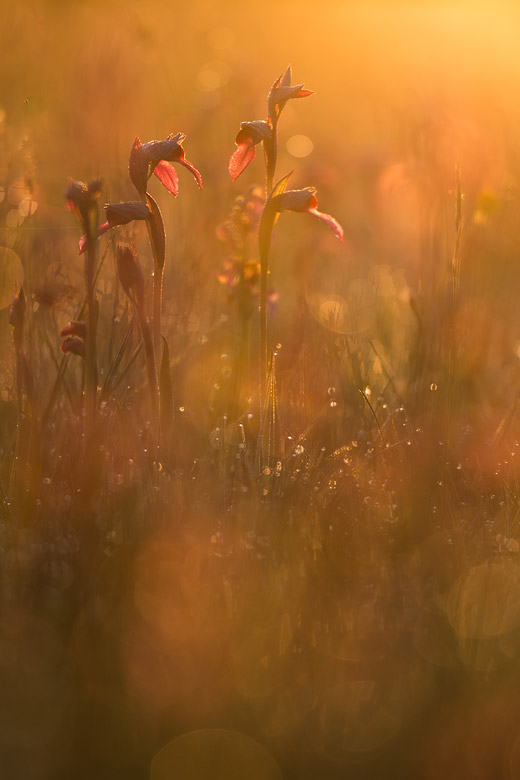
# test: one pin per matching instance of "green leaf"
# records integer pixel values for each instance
(166, 392)
(157, 232)
(280, 186)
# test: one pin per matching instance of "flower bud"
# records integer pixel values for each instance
(130, 273)
(74, 345)
(82, 198)
(75, 328)
(281, 92)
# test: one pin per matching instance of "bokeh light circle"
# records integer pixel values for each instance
(214, 754)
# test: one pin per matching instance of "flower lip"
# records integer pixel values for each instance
(155, 157)
(305, 201)
(250, 134)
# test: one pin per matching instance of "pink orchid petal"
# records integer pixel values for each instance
(241, 157)
(304, 93)
(167, 176)
(194, 171)
(103, 228)
(83, 240)
(329, 221)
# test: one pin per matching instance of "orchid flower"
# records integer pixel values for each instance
(81, 197)
(252, 133)
(155, 157)
(118, 214)
(282, 91)
(305, 201)
(249, 135)
(75, 328)
(75, 338)
(75, 346)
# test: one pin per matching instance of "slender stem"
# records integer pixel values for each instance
(156, 234)
(91, 354)
(271, 154)
(151, 371)
(158, 278)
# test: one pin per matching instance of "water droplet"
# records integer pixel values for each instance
(333, 404)
(157, 465)
(47, 481)
(331, 391)
(433, 387)
(298, 450)
(267, 471)
(181, 409)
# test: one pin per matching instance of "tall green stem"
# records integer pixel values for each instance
(157, 236)
(271, 154)
(151, 371)
(91, 352)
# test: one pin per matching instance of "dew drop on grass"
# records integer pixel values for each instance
(298, 450)
(267, 471)
(333, 404)
(181, 409)
(331, 391)
(433, 387)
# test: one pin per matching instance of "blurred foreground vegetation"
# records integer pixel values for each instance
(351, 609)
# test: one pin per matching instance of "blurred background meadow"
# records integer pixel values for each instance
(350, 608)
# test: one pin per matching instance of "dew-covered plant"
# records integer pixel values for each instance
(82, 199)
(277, 198)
